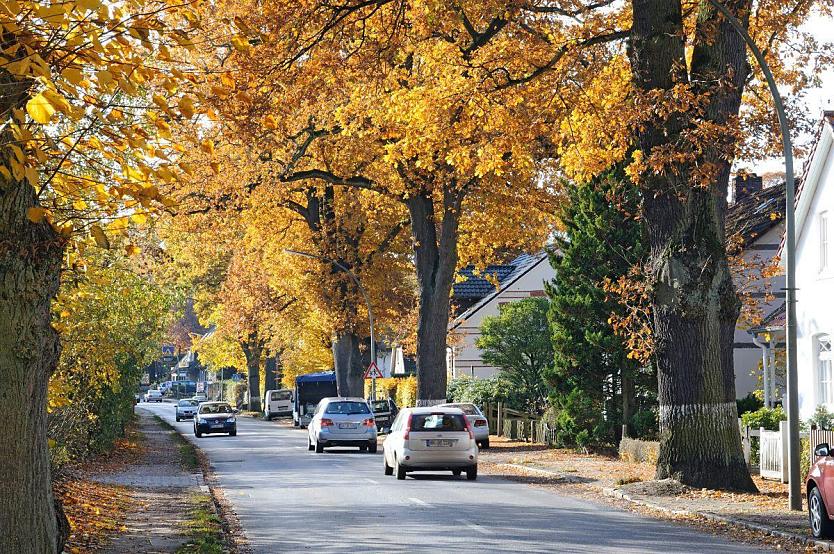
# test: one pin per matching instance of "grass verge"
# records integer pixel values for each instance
(188, 453)
(204, 528)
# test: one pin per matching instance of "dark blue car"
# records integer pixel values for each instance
(215, 417)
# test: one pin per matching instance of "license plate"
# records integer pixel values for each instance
(347, 426)
(440, 443)
(217, 425)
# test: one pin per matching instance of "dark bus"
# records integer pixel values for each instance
(309, 390)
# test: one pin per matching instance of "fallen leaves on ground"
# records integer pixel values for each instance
(95, 511)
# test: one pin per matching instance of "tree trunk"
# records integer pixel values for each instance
(627, 388)
(435, 257)
(347, 361)
(269, 372)
(253, 350)
(694, 303)
(30, 266)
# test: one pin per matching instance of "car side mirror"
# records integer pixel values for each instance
(822, 450)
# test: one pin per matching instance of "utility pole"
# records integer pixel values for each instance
(367, 304)
(795, 486)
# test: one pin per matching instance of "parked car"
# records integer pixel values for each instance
(431, 439)
(215, 417)
(186, 408)
(277, 403)
(153, 395)
(477, 419)
(820, 489)
(384, 413)
(342, 422)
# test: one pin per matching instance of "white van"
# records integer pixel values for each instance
(277, 403)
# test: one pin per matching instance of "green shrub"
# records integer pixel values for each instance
(578, 420)
(768, 418)
(484, 391)
(644, 425)
(822, 419)
(749, 403)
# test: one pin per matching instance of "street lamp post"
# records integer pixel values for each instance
(367, 304)
(795, 489)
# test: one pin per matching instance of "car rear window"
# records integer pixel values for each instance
(347, 408)
(215, 409)
(380, 406)
(188, 402)
(281, 395)
(438, 422)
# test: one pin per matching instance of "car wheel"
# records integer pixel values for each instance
(485, 444)
(197, 434)
(821, 526)
(319, 447)
(310, 446)
(472, 473)
(388, 469)
(233, 433)
(400, 469)
(456, 472)
(178, 419)
(372, 447)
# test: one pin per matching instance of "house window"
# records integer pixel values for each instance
(825, 369)
(823, 241)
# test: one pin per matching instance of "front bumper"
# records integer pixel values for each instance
(207, 428)
(185, 415)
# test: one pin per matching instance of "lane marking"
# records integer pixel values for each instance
(420, 502)
(475, 527)
(369, 480)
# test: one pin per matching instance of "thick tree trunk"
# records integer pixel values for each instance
(435, 256)
(269, 372)
(694, 302)
(30, 262)
(347, 361)
(627, 389)
(253, 350)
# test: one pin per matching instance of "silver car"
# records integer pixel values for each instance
(186, 408)
(431, 439)
(478, 421)
(342, 422)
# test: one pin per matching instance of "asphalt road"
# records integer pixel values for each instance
(289, 499)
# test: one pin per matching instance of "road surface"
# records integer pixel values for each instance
(289, 499)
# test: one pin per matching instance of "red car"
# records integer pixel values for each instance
(820, 487)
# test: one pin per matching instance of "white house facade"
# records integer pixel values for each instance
(522, 278)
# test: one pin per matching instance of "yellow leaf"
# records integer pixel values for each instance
(227, 80)
(139, 218)
(215, 167)
(39, 109)
(186, 106)
(132, 249)
(270, 122)
(99, 236)
(207, 146)
(73, 75)
(240, 43)
(35, 214)
(104, 77)
(85, 5)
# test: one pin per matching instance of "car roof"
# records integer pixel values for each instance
(312, 377)
(423, 410)
(343, 399)
(213, 402)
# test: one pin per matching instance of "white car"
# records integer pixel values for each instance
(478, 421)
(186, 408)
(342, 422)
(431, 439)
(277, 403)
(153, 395)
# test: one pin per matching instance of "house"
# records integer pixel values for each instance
(480, 294)
(755, 227)
(815, 275)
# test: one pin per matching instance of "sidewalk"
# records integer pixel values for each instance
(150, 493)
(606, 477)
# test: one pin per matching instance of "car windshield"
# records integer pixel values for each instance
(187, 403)
(468, 409)
(215, 409)
(347, 408)
(438, 422)
(380, 406)
(281, 395)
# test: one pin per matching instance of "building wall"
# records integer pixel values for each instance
(464, 356)
(746, 355)
(815, 294)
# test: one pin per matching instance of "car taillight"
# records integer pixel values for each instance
(407, 427)
(469, 429)
(326, 422)
(480, 422)
(369, 422)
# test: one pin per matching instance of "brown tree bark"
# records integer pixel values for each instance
(694, 302)
(253, 351)
(435, 257)
(347, 359)
(30, 268)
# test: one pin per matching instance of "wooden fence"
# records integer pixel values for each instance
(517, 425)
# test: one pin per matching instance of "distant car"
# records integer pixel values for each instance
(342, 422)
(215, 417)
(431, 439)
(186, 408)
(153, 395)
(819, 485)
(480, 425)
(277, 403)
(384, 413)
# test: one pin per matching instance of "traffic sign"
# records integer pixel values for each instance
(373, 372)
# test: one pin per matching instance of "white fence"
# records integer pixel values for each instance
(773, 453)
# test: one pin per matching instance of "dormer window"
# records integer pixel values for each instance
(823, 241)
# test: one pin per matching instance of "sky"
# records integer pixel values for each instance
(817, 99)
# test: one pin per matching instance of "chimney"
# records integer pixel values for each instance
(745, 185)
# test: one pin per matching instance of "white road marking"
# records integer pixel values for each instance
(371, 481)
(420, 502)
(475, 527)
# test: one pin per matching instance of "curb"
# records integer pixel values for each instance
(824, 546)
